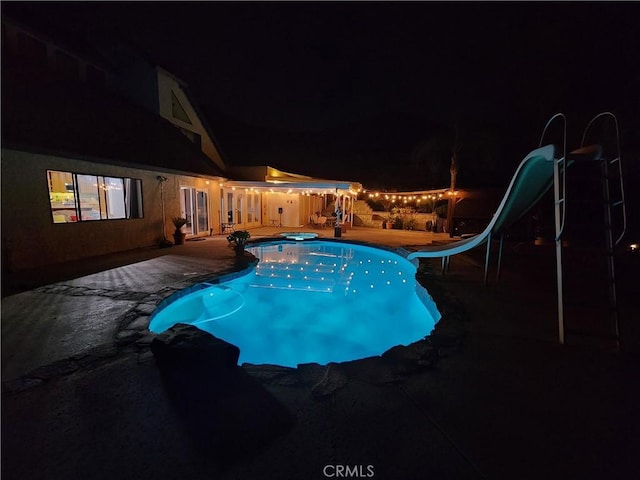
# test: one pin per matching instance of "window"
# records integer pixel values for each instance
(113, 204)
(79, 197)
(193, 136)
(62, 196)
(177, 110)
(88, 199)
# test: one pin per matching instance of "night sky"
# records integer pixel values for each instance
(300, 67)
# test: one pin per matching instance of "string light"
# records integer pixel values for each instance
(415, 196)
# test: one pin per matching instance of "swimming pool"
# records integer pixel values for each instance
(311, 301)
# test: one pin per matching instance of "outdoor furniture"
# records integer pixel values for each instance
(228, 227)
(318, 221)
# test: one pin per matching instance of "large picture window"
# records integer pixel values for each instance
(78, 197)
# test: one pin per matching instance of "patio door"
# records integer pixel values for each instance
(187, 208)
(239, 211)
(202, 211)
(252, 206)
(228, 209)
(194, 206)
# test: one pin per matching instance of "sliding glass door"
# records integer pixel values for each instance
(194, 206)
(202, 210)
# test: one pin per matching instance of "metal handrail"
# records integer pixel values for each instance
(560, 161)
(619, 160)
(559, 214)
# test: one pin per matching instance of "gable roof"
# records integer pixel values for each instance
(73, 119)
(194, 105)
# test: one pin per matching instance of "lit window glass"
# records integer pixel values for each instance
(88, 199)
(79, 197)
(62, 197)
(114, 196)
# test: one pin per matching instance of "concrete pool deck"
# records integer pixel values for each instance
(82, 399)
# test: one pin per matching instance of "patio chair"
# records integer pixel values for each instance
(318, 220)
(531, 180)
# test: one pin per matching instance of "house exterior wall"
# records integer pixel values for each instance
(166, 85)
(30, 238)
(297, 208)
(290, 204)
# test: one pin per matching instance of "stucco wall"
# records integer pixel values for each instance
(290, 204)
(31, 239)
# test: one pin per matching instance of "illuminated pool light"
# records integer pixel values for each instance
(299, 236)
(283, 316)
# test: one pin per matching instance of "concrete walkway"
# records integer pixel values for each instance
(84, 398)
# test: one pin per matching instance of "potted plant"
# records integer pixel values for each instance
(238, 240)
(178, 235)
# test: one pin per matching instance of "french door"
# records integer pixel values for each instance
(194, 206)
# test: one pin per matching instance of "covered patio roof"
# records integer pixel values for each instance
(269, 179)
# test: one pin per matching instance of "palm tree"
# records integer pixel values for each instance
(453, 171)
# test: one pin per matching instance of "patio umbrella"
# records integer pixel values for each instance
(337, 208)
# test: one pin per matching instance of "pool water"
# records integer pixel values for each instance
(312, 301)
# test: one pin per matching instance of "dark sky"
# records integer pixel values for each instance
(304, 65)
(354, 87)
